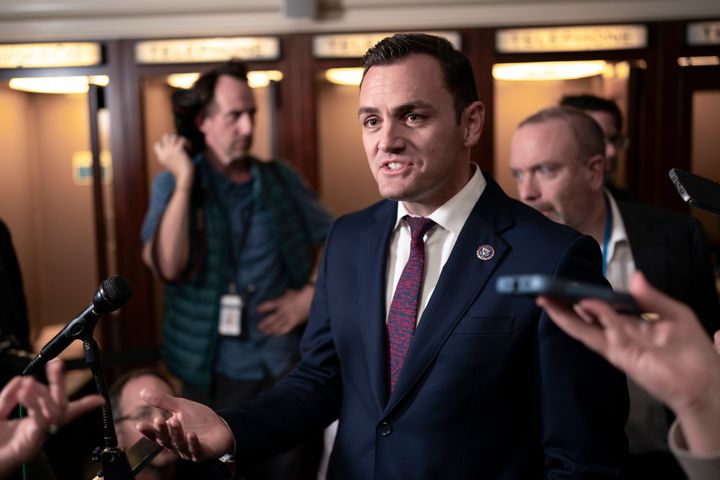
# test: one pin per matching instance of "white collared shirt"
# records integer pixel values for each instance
(620, 263)
(439, 241)
(647, 422)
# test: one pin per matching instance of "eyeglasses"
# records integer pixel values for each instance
(619, 141)
(145, 414)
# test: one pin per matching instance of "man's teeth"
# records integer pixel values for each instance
(393, 165)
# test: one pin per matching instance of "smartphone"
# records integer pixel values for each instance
(567, 291)
(696, 190)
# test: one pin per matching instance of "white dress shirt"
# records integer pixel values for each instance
(439, 241)
(647, 423)
(620, 262)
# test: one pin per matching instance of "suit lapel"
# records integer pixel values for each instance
(462, 279)
(647, 244)
(373, 251)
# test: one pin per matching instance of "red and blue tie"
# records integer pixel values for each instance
(403, 309)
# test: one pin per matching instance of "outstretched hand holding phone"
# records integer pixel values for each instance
(671, 357)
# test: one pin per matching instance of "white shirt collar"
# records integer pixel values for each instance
(618, 233)
(452, 214)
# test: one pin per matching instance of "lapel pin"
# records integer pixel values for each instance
(485, 252)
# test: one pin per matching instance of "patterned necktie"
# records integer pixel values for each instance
(403, 309)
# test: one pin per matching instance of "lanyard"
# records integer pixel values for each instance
(246, 214)
(246, 217)
(606, 235)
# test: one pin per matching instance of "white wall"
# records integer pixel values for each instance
(38, 20)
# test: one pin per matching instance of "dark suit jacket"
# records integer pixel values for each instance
(671, 250)
(491, 388)
(13, 310)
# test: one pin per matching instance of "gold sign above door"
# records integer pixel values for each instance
(703, 33)
(354, 45)
(571, 39)
(199, 50)
(49, 55)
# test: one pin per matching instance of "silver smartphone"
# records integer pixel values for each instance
(566, 291)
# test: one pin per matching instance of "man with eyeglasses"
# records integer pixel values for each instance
(557, 159)
(607, 114)
(128, 410)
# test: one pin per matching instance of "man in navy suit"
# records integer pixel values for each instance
(489, 387)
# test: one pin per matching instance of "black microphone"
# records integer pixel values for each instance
(110, 295)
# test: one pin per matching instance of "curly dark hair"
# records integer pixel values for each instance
(204, 87)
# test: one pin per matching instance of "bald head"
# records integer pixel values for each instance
(557, 159)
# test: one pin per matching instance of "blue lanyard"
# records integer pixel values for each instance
(606, 235)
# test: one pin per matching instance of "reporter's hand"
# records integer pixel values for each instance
(671, 357)
(286, 312)
(666, 356)
(46, 409)
(193, 431)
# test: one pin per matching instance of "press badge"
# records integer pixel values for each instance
(231, 307)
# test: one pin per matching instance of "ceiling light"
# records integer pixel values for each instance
(548, 70)
(256, 78)
(77, 84)
(182, 80)
(344, 76)
(698, 61)
(262, 78)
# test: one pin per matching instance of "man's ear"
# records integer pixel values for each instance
(596, 167)
(199, 122)
(473, 120)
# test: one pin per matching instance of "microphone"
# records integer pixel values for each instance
(110, 295)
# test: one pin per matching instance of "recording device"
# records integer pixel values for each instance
(696, 190)
(566, 291)
(186, 107)
(110, 295)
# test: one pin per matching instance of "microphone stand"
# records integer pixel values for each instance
(115, 465)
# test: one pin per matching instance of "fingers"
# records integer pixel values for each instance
(274, 324)
(716, 342)
(268, 306)
(148, 431)
(9, 396)
(81, 406)
(652, 300)
(169, 141)
(159, 399)
(170, 435)
(570, 321)
(170, 152)
(55, 371)
(284, 314)
(178, 439)
(194, 447)
(35, 398)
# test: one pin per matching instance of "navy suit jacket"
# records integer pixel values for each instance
(491, 388)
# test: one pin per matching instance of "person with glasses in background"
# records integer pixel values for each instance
(557, 160)
(129, 410)
(607, 114)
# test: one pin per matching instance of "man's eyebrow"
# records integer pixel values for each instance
(366, 110)
(414, 105)
(405, 107)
